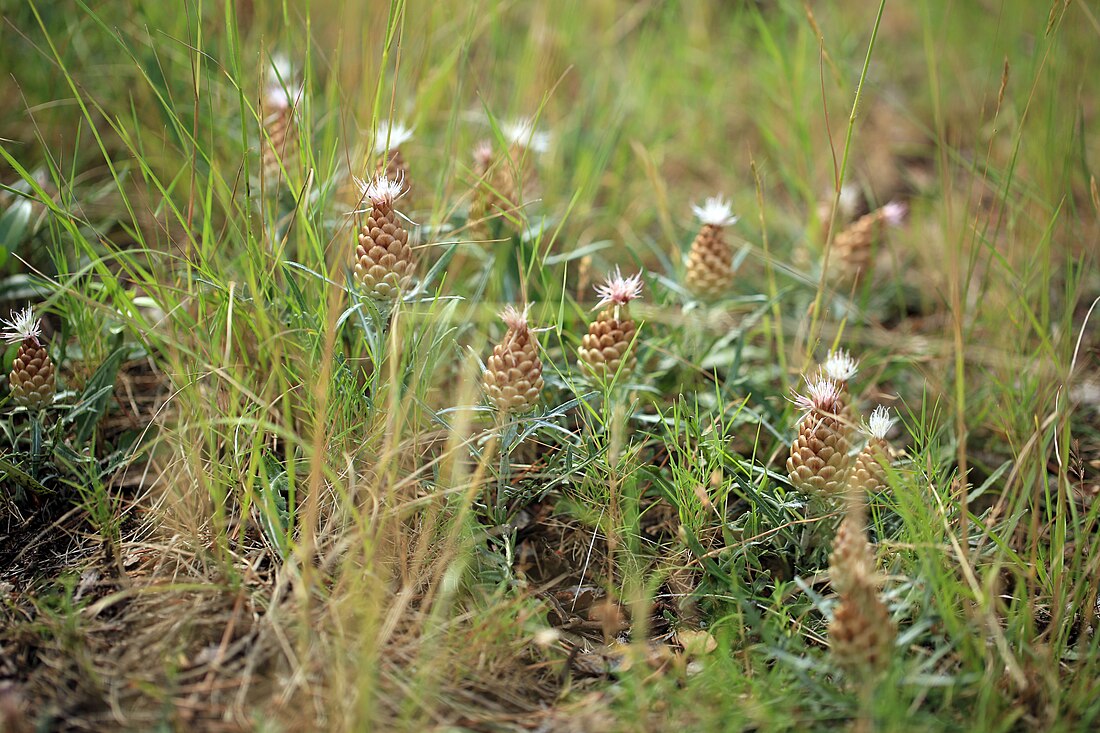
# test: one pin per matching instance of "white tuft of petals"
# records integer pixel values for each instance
(282, 70)
(380, 190)
(715, 211)
(522, 132)
(514, 318)
(848, 200)
(281, 89)
(619, 290)
(21, 326)
(840, 365)
(894, 213)
(880, 422)
(392, 135)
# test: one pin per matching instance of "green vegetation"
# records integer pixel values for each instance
(263, 500)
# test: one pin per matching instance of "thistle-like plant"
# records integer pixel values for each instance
(609, 344)
(710, 259)
(32, 380)
(384, 261)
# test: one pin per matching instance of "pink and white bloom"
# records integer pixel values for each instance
(515, 318)
(822, 395)
(894, 213)
(619, 290)
(21, 326)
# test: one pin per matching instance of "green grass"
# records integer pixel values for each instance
(264, 502)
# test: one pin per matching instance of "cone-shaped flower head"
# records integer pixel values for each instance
(513, 374)
(855, 245)
(840, 367)
(503, 180)
(710, 260)
(32, 380)
(818, 463)
(384, 261)
(608, 345)
(862, 633)
(387, 144)
(282, 93)
(852, 560)
(869, 471)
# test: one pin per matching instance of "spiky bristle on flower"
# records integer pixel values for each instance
(840, 366)
(715, 211)
(21, 326)
(619, 290)
(380, 190)
(514, 318)
(880, 422)
(522, 132)
(392, 135)
(894, 213)
(822, 394)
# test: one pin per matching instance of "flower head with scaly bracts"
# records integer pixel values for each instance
(22, 326)
(822, 395)
(716, 212)
(880, 423)
(608, 347)
(869, 474)
(840, 366)
(522, 133)
(32, 380)
(818, 463)
(894, 213)
(513, 372)
(392, 135)
(619, 290)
